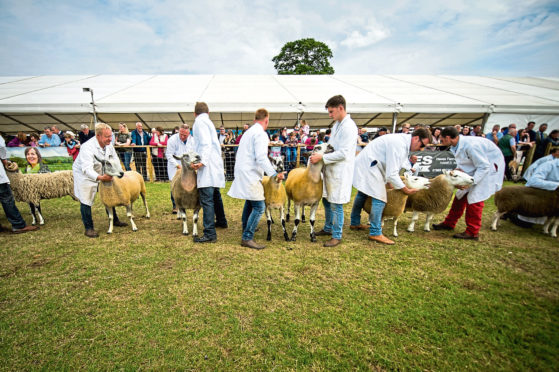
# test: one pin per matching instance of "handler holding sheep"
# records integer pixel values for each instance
(252, 162)
(378, 164)
(179, 143)
(338, 165)
(210, 177)
(88, 172)
(482, 160)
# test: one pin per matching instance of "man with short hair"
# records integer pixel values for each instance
(477, 131)
(252, 162)
(88, 172)
(337, 166)
(405, 128)
(59, 133)
(49, 139)
(507, 144)
(178, 144)
(211, 176)
(530, 130)
(482, 160)
(222, 135)
(85, 134)
(540, 140)
(554, 154)
(495, 135)
(381, 132)
(378, 164)
(139, 137)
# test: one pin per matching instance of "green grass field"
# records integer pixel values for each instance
(154, 300)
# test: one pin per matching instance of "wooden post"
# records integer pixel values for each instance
(298, 156)
(149, 165)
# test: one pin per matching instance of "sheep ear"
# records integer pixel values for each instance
(99, 160)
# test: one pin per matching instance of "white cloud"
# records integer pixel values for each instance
(372, 35)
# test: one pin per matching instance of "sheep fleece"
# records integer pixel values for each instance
(31, 188)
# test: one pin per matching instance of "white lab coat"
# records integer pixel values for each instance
(86, 169)
(3, 176)
(339, 164)
(546, 176)
(484, 161)
(176, 147)
(206, 144)
(380, 162)
(251, 163)
(532, 168)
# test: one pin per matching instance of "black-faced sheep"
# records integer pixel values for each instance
(122, 190)
(304, 187)
(185, 191)
(31, 188)
(529, 202)
(437, 197)
(275, 197)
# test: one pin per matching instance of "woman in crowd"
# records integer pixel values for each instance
(35, 161)
(33, 140)
(465, 131)
(291, 151)
(123, 139)
(158, 158)
(72, 146)
(275, 148)
(523, 145)
(18, 141)
(436, 134)
(229, 152)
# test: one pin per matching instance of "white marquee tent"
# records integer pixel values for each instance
(28, 103)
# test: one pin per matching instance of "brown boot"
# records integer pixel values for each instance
(25, 229)
(252, 244)
(332, 243)
(359, 227)
(323, 233)
(465, 236)
(381, 239)
(441, 226)
(90, 233)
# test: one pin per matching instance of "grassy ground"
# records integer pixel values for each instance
(154, 300)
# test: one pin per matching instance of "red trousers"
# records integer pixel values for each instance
(473, 215)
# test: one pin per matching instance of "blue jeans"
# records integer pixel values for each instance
(358, 203)
(9, 206)
(334, 218)
(125, 158)
(212, 207)
(375, 218)
(252, 212)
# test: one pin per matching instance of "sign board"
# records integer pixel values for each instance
(432, 163)
(57, 158)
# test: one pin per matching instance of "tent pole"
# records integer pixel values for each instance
(394, 121)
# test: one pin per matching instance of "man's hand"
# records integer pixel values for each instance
(196, 166)
(463, 187)
(179, 166)
(315, 158)
(104, 178)
(280, 176)
(408, 191)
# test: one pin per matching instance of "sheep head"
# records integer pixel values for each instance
(277, 163)
(323, 148)
(188, 158)
(11, 166)
(416, 182)
(458, 178)
(111, 166)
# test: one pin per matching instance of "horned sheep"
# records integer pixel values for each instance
(31, 188)
(122, 190)
(185, 191)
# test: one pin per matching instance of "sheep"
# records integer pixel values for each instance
(396, 199)
(185, 192)
(275, 197)
(31, 188)
(435, 199)
(304, 187)
(122, 190)
(529, 202)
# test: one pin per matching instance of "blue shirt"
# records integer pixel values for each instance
(54, 140)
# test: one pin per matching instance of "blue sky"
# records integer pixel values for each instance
(495, 38)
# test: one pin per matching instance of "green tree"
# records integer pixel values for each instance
(304, 57)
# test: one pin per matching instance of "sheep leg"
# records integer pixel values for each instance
(302, 213)
(546, 225)
(269, 222)
(496, 216)
(145, 204)
(285, 236)
(428, 219)
(182, 216)
(297, 210)
(414, 218)
(110, 213)
(312, 218)
(554, 228)
(40, 214)
(395, 233)
(129, 215)
(195, 222)
(32, 208)
(288, 209)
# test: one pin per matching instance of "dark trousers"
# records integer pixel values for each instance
(87, 218)
(212, 207)
(9, 206)
(160, 168)
(140, 161)
(508, 173)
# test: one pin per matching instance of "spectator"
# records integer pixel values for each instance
(222, 135)
(477, 131)
(507, 144)
(245, 128)
(139, 137)
(123, 138)
(466, 131)
(305, 127)
(33, 140)
(229, 150)
(275, 150)
(72, 146)
(554, 154)
(159, 139)
(458, 128)
(552, 139)
(49, 139)
(85, 134)
(405, 128)
(540, 138)
(19, 141)
(436, 136)
(35, 161)
(320, 137)
(283, 135)
(531, 131)
(495, 135)
(59, 133)
(362, 139)
(175, 130)
(327, 135)
(291, 151)
(380, 132)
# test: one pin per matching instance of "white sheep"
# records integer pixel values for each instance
(436, 198)
(185, 191)
(275, 197)
(529, 202)
(396, 199)
(304, 187)
(122, 190)
(31, 188)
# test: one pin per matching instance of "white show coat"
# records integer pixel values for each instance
(339, 164)
(380, 162)
(546, 176)
(206, 144)
(86, 169)
(484, 161)
(3, 176)
(532, 168)
(251, 163)
(176, 147)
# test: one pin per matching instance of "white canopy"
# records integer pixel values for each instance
(32, 102)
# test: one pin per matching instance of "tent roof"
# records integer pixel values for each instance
(31, 102)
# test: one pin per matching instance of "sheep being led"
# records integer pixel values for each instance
(304, 187)
(185, 191)
(529, 202)
(396, 199)
(31, 188)
(436, 198)
(122, 190)
(275, 197)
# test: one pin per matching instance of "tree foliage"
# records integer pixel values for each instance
(304, 57)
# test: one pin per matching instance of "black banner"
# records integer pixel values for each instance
(432, 163)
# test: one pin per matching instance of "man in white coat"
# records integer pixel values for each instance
(251, 163)
(179, 144)
(211, 176)
(378, 164)
(88, 173)
(554, 154)
(338, 165)
(482, 160)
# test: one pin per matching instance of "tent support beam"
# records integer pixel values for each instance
(19, 122)
(371, 119)
(180, 117)
(394, 121)
(221, 117)
(58, 120)
(443, 119)
(476, 119)
(409, 118)
(142, 120)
